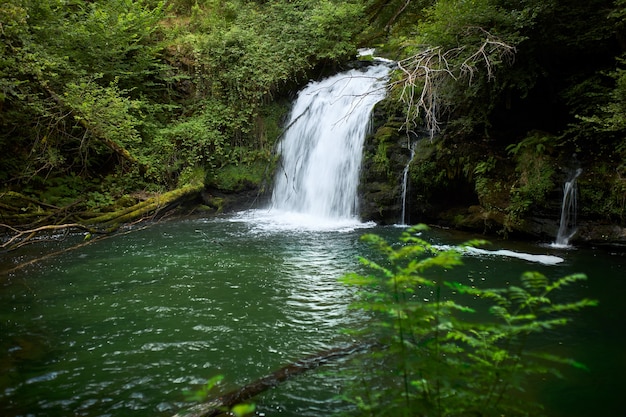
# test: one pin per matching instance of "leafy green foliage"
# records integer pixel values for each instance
(565, 78)
(108, 112)
(264, 47)
(74, 89)
(535, 175)
(439, 360)
(142, 92)
(395, 16)
(201, 393)
(178, 84)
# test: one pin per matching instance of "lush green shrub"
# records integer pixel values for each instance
(434, 357)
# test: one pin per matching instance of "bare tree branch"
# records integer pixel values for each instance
(427, 72)
(23, 237)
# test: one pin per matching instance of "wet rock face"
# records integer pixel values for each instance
(380, 202)
(440, 193)
(600, 234)
(385, 155)
(476, 184)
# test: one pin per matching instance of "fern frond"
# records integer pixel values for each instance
(540, 325)
(534, 281)
(376, 267)
(451, 305)
(523, 317)
(480, 360)
(567, 280)
(465, 364)
(558, 359)
(500, 312)
(575, 306)
(411, 234)
(407, 252)
(352, 278)
(497, 296)
(377, 242)
(444, 259)
(518, 295)
(463, 337)
(473, 243)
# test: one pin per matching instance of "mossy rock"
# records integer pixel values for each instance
(215, 203)
(240, 177)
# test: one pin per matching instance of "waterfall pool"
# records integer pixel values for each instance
(123, 326)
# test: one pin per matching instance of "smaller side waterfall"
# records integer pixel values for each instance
(567, 224)
(405, 183)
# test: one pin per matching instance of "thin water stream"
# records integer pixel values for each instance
(567, 222)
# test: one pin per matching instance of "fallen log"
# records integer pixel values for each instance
(151, 205)
(218, 405)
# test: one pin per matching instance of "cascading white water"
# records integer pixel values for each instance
(322, 149)
(567, 223)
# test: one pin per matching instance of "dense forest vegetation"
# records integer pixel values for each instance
(108, 105)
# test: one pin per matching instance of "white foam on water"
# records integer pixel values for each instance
(542, 259)
(274, 220)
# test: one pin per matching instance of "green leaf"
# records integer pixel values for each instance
(358, 280)
(567, 280)
(241, 410)
(534, 281)
(574, 306)
(558, 359)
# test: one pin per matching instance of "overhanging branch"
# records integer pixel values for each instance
(426, 73)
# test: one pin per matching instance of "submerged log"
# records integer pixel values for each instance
(218, 405)
(23, 237)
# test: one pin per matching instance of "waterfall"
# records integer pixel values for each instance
(405, 182)
(322, 149)
(567, 224)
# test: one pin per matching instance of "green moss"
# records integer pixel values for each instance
(380, 159)
(535, 180)
(216, 203)
(239, 177)
(602, 193)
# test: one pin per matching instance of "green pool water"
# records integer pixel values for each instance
(123, 326)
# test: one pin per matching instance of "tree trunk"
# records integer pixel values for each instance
(114, 146)
(217, 405)
(151, 205)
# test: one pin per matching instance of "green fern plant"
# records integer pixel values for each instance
(436, 358)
